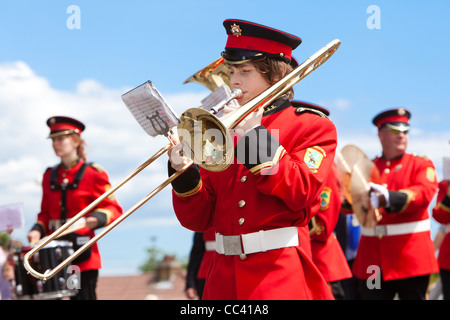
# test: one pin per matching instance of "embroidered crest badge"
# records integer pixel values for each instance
(325, 196)
(313, 157)
(431, 174)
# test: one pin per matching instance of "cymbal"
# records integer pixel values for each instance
(346, 159)
(363, 172)
(349, 156)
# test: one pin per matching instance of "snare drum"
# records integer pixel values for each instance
(49, 257)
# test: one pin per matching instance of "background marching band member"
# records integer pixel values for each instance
(441, 213)
(326, 251)
(203, 248)
(68, 188)
(400, 246)
(258, 206)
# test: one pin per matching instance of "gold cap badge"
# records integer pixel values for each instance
(236, 30)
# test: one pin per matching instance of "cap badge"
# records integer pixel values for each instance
(52, 121)
(401, 112)
(236, 30)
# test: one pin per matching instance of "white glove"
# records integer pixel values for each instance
(379, 189)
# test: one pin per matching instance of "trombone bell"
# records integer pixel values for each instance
(212, 76)
(208, 141)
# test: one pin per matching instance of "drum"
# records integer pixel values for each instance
(61, 285)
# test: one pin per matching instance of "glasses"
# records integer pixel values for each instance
(397, 131)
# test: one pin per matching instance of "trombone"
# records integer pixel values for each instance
(188, 126)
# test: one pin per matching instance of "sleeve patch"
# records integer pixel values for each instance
(325, 196)
(313, 157)
(431, 174)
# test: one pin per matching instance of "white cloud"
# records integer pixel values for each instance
(339, 104)
(114, 139)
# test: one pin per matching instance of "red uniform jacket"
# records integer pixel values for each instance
(92, 185)
(441, 213)
(326, 251)
(407, 255)
(276, 192)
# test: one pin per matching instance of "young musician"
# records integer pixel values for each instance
(260, 205)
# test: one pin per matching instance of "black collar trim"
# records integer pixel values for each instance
(276, 106)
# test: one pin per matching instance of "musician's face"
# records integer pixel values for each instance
(393, 142)
(64, 145)
(245, 77)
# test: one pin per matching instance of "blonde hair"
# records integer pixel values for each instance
(81, 144)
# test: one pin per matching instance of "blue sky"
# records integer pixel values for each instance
(48, 69)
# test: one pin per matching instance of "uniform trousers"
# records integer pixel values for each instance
(445, 279)
(414, 288)
(88, 285)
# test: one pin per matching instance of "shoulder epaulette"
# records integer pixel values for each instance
(96, 166)
(423, 156)
(301, 110)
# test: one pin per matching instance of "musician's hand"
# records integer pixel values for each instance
(379, 196)
(250, 122)
(176, 155)
(230, 107)
(92, 223)
(34, 236)
(191, 293)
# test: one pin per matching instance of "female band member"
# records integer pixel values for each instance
(68, 188)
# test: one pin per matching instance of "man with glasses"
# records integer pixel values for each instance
(396, 257)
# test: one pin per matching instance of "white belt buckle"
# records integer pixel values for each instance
(232, 245)
(380, 231)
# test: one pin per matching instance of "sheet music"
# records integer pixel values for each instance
(150, 109)
(446, 168)
(11, 217)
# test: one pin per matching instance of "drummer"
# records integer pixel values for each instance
(397, 256)
(68, 188)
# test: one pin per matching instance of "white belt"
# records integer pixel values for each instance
(54, 224)
(210, 245)
(396, 229)
(260, 241)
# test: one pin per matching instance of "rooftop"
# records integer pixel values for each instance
(142, 287)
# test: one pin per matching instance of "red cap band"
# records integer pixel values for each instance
(259, 44)
(403, 119)
(65, 126)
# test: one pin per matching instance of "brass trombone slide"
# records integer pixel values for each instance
(50, 273)
(65, 228)
(188, 120)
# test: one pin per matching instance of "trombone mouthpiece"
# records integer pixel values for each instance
(236, 93)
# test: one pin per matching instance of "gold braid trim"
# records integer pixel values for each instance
(106, 212)
(410, 196)
(190, 192)
(442, 206)
(269, 164)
